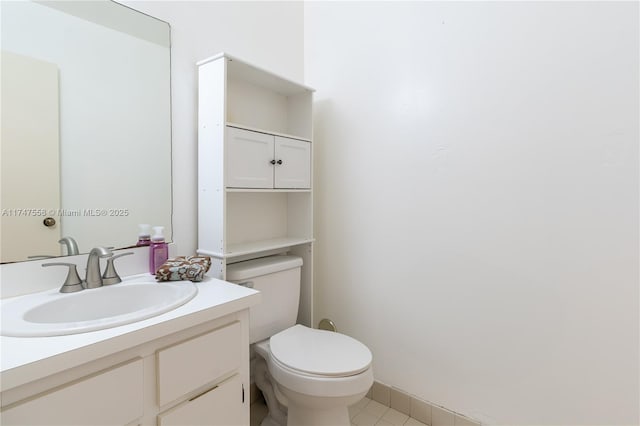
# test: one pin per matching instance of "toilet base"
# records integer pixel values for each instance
(277, 413)
(269, 421)
(304, 416)
(306, 410)
(292, 408)
(302, 410)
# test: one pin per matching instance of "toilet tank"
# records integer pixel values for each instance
(278, 280)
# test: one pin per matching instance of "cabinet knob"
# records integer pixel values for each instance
(273, 161)
(279, 161)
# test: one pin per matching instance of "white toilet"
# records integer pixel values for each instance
(315, 374)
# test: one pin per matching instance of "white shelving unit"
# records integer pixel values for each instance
(255, 156)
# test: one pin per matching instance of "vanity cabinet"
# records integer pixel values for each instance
(255, 168)
(199, 376)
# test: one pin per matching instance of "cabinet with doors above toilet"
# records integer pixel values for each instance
(255, 167)
(265, 161)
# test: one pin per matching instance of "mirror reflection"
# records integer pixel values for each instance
(86, 127)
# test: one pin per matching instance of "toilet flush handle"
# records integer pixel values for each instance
(248, 284)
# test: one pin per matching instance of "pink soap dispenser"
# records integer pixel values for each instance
(158, 250)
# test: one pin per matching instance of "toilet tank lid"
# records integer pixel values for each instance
(262, 266)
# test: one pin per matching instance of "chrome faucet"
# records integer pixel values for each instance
(94, 278)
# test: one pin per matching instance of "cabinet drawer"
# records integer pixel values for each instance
(221, 406)
(113, 397)
(189, 365)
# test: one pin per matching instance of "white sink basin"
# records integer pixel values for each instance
(51, 313)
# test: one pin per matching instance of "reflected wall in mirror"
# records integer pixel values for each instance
(86, 126)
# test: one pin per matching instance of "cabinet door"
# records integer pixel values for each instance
(249, 155)
(293, 168)
(221, 406)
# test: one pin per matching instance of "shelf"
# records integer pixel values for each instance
(242, 249)
(258, 75)
(268, 132)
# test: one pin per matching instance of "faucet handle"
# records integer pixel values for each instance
(110, 275)
(73, 282)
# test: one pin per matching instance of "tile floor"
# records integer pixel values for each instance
(365, 413)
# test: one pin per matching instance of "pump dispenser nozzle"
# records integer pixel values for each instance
(144, 236)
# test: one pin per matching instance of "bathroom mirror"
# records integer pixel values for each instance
(86, 126)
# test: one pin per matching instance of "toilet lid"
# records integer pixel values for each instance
(320, 352)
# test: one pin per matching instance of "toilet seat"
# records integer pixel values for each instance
(350, 378)
(319, 353)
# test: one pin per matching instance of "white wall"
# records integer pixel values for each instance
(477, 201)
(266, 33)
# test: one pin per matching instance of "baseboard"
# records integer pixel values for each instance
(419, 409)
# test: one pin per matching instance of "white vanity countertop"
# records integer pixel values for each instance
(24, 359)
